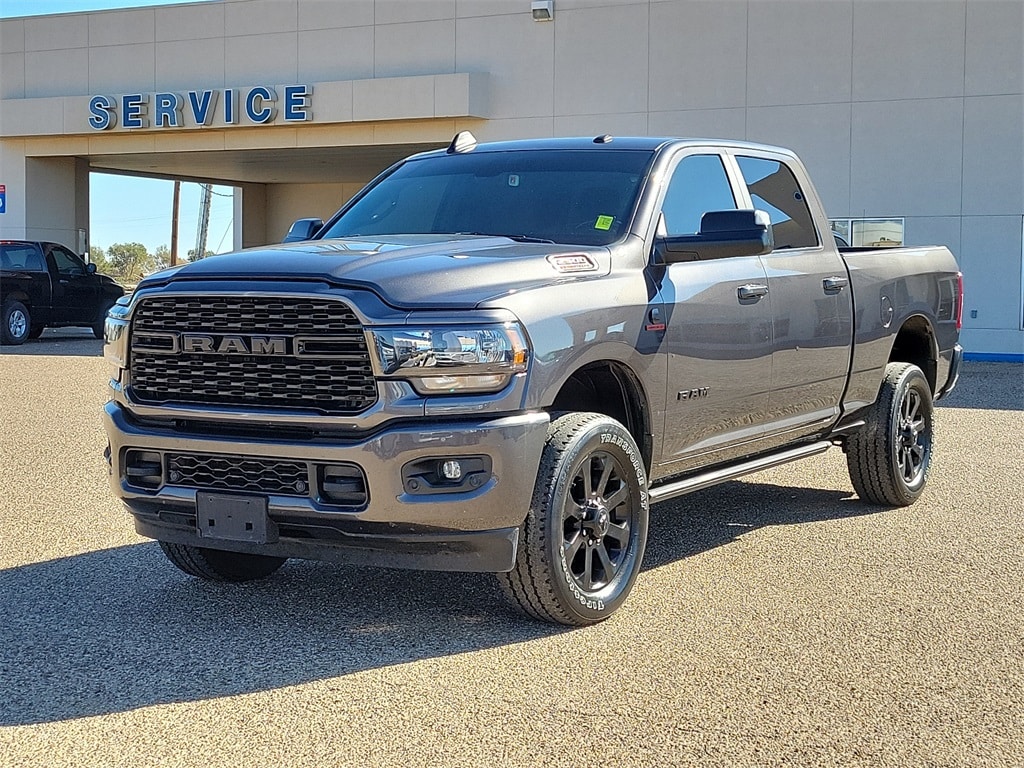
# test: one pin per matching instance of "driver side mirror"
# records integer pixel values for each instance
(303, 229)
(722, 234)
(90, 268)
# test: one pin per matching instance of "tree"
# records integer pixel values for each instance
(130, 260)
(192, 254)
(162, 256)
(99, 258)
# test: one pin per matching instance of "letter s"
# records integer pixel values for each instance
(102, 111)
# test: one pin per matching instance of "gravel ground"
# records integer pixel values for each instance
(778, 621)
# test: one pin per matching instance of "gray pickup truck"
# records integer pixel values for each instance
(495, 357)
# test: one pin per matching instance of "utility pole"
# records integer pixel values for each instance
(204, 220)
(174, 222)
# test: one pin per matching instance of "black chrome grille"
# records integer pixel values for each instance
(285, 478)
(327, 368)
(245, 314)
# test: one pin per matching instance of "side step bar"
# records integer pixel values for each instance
(716, 476)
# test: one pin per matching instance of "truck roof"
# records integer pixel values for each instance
(595, 143)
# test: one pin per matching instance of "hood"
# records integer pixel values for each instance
(405, 271)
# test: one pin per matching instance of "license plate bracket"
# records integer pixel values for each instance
(234, 518)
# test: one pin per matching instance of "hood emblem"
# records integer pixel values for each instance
(568, 263)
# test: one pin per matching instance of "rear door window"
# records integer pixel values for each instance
(774, 189)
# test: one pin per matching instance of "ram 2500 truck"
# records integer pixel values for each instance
(495, 357)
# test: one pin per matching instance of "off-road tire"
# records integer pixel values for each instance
(220, 565)
(577, 562)
(17, 323)
(890, 456)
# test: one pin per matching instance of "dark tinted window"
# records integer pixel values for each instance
(20, 256)
(774, 189)
(582, 196)
(67, 263)
(699, 184)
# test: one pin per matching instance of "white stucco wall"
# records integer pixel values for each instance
(899, 109)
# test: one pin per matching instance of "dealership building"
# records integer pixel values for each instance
(908, 115)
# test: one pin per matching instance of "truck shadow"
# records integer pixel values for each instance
(59, 343)
(699, 522)
(118, 629)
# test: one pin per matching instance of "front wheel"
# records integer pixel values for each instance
(889, 457)
(220, 565)
(583, 539)
(17, 323)
(99, 326)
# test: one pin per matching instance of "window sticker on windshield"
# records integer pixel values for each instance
(604, 222)
(513, 180)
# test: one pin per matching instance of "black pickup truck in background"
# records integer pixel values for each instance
(45, 285)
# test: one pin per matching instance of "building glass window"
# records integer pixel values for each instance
(870, 233)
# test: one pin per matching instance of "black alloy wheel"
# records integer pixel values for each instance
(890, 456)
(597, 520)
(582, 543)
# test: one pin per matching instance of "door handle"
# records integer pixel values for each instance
(834, 284)
(752, 291)
(64, 282)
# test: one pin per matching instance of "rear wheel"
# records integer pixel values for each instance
(16, 323)
(583, 539)
(889, 458)
(220, 565)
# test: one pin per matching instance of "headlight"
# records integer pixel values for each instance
(115, 333)
(452, 359)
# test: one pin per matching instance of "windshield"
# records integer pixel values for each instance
(564, 196)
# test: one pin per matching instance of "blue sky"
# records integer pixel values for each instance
(10, 8)
(126, 209)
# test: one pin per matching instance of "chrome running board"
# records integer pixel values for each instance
(716, 476)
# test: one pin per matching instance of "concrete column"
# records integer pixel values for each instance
(250, 227)
(12, 176)
(57, 200)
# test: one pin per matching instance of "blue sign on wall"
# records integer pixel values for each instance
(3, 198)
(257, 106)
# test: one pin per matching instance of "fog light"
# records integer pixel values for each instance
(452, 470)
(444, 474)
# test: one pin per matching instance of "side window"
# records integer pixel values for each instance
(21, 256)
(774, 189)
(67, 263)
(699, 184)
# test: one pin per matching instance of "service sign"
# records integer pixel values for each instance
(259, 105)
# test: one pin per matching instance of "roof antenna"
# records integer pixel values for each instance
(464, 141)
(602, 139)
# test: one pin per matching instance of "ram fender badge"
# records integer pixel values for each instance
(567, 263)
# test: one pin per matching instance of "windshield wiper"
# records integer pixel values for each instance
(517, 238)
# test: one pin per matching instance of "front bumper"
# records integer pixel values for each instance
(468, 529)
